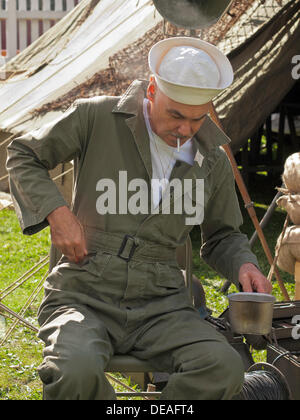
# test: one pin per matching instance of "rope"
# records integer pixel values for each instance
(271, 272)
(7, 140)
(62, 174)
(3, 177)
(53, 179)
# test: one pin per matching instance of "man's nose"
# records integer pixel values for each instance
(185, 129)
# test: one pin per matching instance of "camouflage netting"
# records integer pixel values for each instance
(131, 63)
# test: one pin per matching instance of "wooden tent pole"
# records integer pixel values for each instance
(248, 203)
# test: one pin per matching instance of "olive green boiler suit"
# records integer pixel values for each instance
(128, 296)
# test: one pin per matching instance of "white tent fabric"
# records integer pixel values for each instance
(111, 27)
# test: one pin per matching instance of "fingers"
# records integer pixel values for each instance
(259, 284)
(71, 249)
(246, 284)
(252, 280)
(245, 278)
(76, 249)
(80, 248)
(67, 234)
(69, 252)
(80, 252)
(264, 286)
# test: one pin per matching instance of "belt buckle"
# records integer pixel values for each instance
(123, 245)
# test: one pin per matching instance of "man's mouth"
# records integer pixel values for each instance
(181, 138)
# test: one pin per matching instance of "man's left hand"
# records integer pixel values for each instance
(252, 280)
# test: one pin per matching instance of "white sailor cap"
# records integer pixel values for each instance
(189, 70)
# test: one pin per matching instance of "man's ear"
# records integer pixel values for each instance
(151, 89)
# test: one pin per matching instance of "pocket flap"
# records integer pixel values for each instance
(95, 263)
(170, 277)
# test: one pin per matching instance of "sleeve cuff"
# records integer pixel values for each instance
(34, 223)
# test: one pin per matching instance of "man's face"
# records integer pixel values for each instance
(171, 120)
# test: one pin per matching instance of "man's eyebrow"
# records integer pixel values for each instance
(178, 114)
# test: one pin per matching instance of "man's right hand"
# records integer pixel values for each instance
(67, 234)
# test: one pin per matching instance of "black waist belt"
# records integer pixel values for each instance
(128, 247)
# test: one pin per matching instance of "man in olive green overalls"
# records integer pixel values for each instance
(118, 288)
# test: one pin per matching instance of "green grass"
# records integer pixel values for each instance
(22, 353)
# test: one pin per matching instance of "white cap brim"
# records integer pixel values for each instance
(186, 94)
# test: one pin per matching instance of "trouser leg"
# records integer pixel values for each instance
(77, 350)
(204, 371)
(202, 363)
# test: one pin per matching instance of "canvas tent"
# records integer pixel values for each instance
(67, 55)
(263, 71)
(100, 47)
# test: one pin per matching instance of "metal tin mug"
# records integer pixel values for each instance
(251, 313)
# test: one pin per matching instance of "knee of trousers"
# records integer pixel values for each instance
(220, 362)
(230, 366)
(81, 368)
